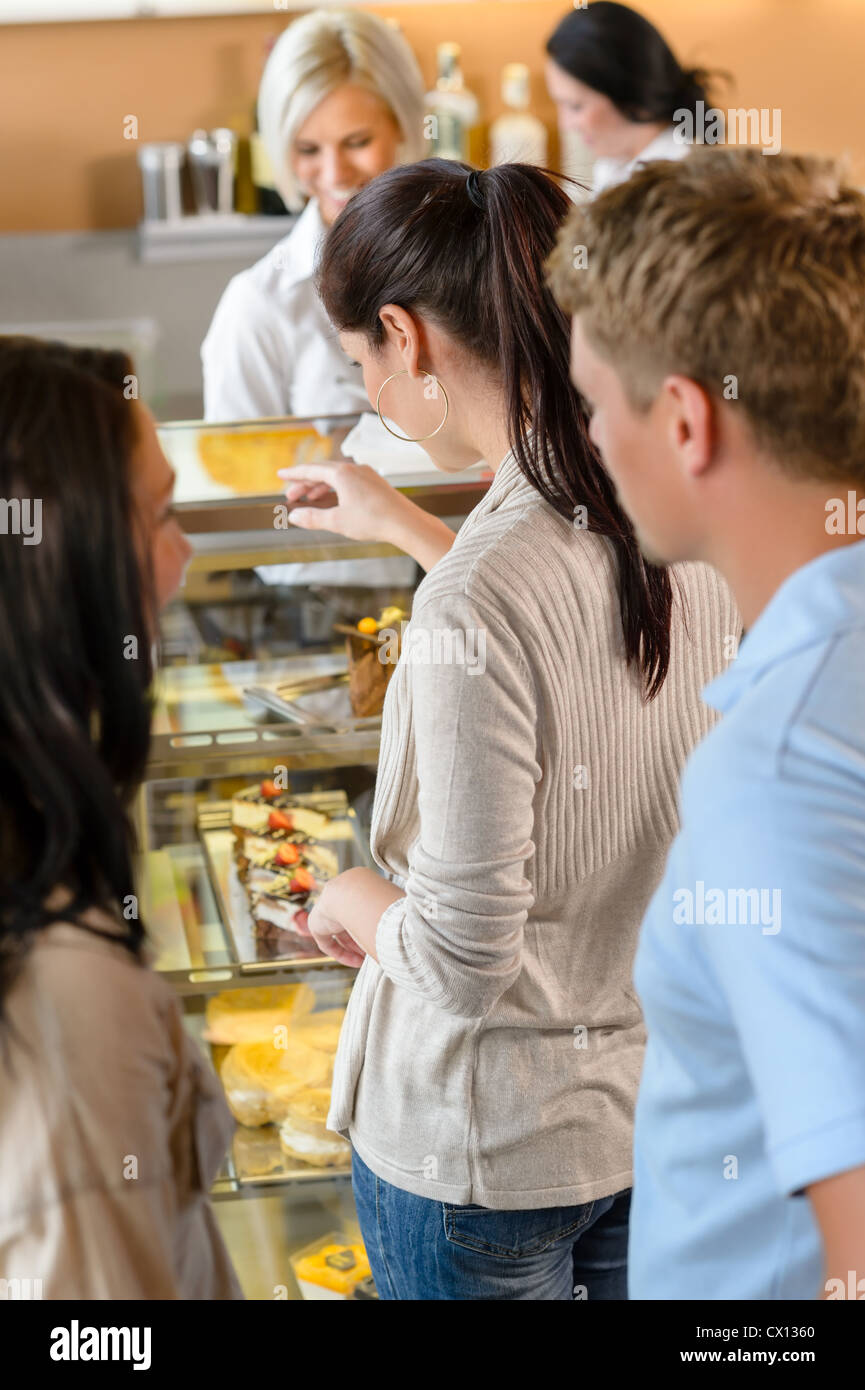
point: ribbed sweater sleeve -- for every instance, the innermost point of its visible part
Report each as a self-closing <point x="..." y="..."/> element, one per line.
<point x="456" y="938"/>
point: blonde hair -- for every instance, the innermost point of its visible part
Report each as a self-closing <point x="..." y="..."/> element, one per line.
<point x="317" y="54"/>
<point x="733" y="266"/>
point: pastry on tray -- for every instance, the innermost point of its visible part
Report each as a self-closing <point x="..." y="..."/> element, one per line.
<point x="264" y="858"/>
<point x="303" y="1133"/>
<point x="256" y="1152"/>
<point x="320" y="1030"/>
<point x="265" y="808"/>
<point x="280" y="883"/>
<point x="282" y="906"/>
<point x="260" y="1078"/>
<point x="285" y="850"/>
<point x="332" y="1268"/>
<point x="247" y="460"/>
<point x="251" y="1015"/>
<point x="372" y="648"/>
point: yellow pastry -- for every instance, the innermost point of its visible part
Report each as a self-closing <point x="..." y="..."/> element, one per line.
<point x="335" y="1267"/>
<point x="256" y="1151"/>
<point x="260" y="1079"/>
<point x="391" y="617"/>
<point x="370" y="665"/>
<point x="264" y="809"/>
<point x="253" y="1015"/>
<point x="320" y="1030"/>
<point x="247" y="460"/>
<point x="304" y="1135"/>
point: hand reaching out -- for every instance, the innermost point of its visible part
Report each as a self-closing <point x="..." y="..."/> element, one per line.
<point x="351" y="499"/>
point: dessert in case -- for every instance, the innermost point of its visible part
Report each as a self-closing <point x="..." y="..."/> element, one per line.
<point x="260" y="1078"/>
<point x="254" y="807"/>
<point x="330" y="1268"/>
<point x="283" y="859"/>
<point x="287" y="849"/>
<point x="368" y="673"/>
<point x="247" y="460"/>
<point x="256" y="1152"/>
<point x="304" y="1135"/>
<point x="251" y="1015"/>
<point x="281" y="1051"/>
<point x="320" y="1030"/>
<point x="280" y="1077"/>
<point x="279" y="894"/>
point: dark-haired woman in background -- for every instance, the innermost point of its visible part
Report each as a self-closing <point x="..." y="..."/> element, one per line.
<point x="111" y="1129"/>
<point x="617" y="83"/>
<point x="533" y="735"/>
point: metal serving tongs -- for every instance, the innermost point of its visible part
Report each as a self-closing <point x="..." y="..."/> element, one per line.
<point x="282" y="701"/>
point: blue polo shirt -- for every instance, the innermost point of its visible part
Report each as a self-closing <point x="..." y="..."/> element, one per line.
<point x="751" y="963"/>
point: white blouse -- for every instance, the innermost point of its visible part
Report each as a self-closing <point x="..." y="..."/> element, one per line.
<point x="271" y="349"/>
<point x="667" y="145"/>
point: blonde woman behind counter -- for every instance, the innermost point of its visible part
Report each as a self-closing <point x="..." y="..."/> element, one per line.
<point x="341" y="100"/>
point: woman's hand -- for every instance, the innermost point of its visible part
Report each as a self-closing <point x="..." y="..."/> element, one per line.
<point x="349" y="498"/>
<point x="345" y="918"/>
<point x="330" y="936"/>
<point x="352" y="500"/>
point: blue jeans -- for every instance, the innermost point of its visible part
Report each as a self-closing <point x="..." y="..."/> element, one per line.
<point x="422" y="1249"/>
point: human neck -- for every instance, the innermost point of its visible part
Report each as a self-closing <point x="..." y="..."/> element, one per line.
<point x="643" y="137"/>
<point x="481" y="418"/>
<point x="495" y="446"/>
<point x="773" y="531"/>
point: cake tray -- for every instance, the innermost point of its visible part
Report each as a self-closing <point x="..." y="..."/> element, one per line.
<point x="255" y="956"/>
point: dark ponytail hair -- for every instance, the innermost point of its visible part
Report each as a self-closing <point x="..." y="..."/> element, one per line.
<point x="414" y="237"/>
<point x="74" y="711"/>
<point x="617" y="52"/>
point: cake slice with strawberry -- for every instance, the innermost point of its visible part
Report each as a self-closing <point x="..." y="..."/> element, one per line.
<point x="267" y="807"/>
<point x="283" y="858"/>
<point x="279" y="896"/>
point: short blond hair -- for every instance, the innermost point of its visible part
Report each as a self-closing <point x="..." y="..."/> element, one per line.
<point x="317" y="54"/>
<point x="733" y="267"/>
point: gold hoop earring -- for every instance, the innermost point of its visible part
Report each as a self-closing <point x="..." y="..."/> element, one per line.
<point x="406" y="439"/>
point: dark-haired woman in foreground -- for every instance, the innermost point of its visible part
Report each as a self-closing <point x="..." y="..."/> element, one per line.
<point x="617" y="83"/>
<point x="534" y="731"/>
<point x="111" y="1129"/>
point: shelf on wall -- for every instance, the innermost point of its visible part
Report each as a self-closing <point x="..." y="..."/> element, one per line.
<point x="213" y="236"/>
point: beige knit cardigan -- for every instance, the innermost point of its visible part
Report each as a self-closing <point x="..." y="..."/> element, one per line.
<point x="526" y="799"/>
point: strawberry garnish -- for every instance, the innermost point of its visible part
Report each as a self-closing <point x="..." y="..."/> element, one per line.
<point x="269" y="789"/>
<point x="302" y="882"/>
<point x="287" y="854"/>
<point x="278" y="820"/>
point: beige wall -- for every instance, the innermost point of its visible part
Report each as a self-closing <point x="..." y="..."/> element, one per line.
<point x="67" y="87"/>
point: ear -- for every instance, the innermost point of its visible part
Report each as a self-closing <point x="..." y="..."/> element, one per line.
<point x="691" y="423"/>
<point x="403" y="336"/>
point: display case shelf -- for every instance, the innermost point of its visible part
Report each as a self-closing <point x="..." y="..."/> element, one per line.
<point x="188" y="925"/>
<point x="237" y="753"/>
<point x="231" y="643"/>
<point x="205" y="725"/>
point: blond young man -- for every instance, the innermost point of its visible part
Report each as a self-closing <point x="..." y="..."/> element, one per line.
<point x="719" y="339"/>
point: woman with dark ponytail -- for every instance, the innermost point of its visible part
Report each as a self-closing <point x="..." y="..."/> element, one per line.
<point x="534" y="729"/>
<point x="618" y="84"/>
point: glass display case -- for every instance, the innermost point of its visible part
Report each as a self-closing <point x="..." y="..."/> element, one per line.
<point x="254" y="695"/>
